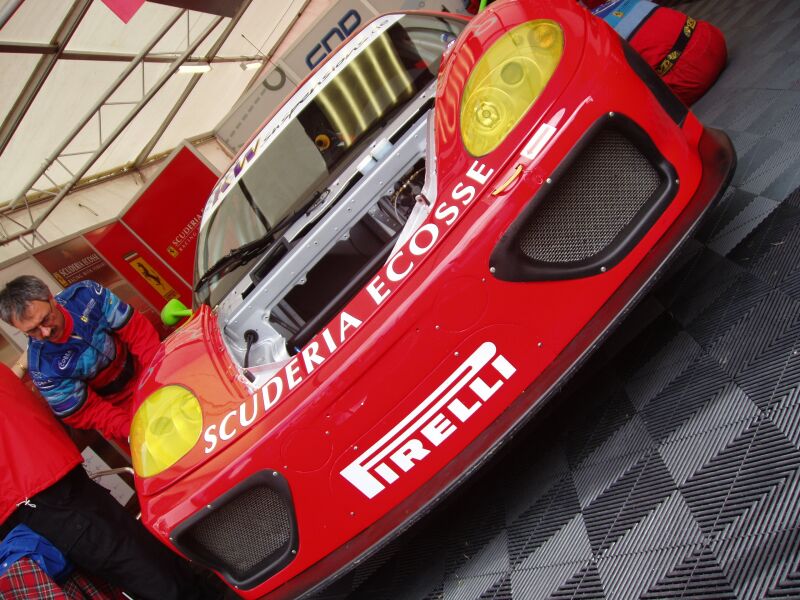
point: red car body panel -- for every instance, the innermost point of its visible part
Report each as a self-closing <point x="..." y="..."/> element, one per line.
<point x="436" y="360"/>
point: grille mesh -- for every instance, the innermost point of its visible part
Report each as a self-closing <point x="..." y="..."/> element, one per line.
<point x="246" y="531"/>
<point x="590" y="205"/>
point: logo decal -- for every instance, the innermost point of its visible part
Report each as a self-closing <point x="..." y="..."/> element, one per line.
<point x="64" y="361"/>
<point x="87" y="310"/>
<point x="434" y="420"/>
<point x="284" y="381"/>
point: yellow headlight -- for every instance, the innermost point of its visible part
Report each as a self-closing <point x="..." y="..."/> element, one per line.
<point x="165" y="427"/>
<point x="506" y="82"/>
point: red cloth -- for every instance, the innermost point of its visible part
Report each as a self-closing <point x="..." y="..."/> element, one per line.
<point x="111" y="415"/>
<point x="25" y="580"/>
<point x="35" y="451"/>
<point x="701" y="62"/>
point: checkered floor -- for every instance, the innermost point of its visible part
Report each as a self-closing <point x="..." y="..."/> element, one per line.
<point x="671" y="468"/>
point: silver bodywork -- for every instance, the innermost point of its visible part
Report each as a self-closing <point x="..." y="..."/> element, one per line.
<point x="344" y="227"/>
<point x="377" y="171"/>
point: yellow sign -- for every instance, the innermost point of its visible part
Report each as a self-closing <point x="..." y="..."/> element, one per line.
<point x="151" y="276"/>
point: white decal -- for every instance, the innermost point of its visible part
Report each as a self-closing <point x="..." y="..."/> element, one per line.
<point x="284" y="381"/>
<point x="64" y="361"/>
<point x="87" y="310"/>
<point x="538" y="141"/>
<point x="424" y="239"/>
<point x="432" y="422"/>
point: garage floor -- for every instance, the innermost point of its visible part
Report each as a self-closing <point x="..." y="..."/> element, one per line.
<point x="671" y="468"/>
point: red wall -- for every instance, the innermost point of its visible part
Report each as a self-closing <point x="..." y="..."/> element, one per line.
<point x="166" y="216"/>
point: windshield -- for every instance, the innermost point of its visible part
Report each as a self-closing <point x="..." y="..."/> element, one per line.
<point x="299" y="151"/>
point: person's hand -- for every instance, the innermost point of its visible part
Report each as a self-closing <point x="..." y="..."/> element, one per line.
<point x="21" y="365"/>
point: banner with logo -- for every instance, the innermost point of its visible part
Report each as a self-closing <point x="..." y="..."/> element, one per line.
<point x="166" y="215"/>
<point x="76" y="260"/>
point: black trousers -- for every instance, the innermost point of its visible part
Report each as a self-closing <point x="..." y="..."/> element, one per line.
<point x="95" y="532"/>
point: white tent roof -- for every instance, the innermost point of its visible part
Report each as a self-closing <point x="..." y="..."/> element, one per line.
<point x="51" y="88"/>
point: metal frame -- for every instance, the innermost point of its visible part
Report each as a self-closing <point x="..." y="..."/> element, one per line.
<point x="55" y="51"/>
<point x="49" y="49"/>
<point x="42" y="70"/>
<point x="211" y="56"/>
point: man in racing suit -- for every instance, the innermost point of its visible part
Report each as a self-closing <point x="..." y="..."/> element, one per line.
<point x="86" y="351"/>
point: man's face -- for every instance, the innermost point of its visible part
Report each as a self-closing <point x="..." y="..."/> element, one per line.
<point x="41" y="320"/>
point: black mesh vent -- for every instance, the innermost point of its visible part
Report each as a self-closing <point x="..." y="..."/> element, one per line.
<point x="600" y="194"/>
<point x="246" y="533"/>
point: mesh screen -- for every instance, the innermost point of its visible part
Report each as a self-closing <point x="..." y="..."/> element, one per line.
<point x="245" y="531"/>
<point x="595" y="199"/>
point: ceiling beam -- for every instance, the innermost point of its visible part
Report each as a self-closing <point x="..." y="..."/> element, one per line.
<point x="31" y="48"/>
<point x="41" y="71"/>
<point x="8" y="11"/>
<point x="65" y="189"/>
<point x="165" y="58"/>
<point x="27" y="48"/>
<point x="211" y="57"/>
<point x="93" y="112"/>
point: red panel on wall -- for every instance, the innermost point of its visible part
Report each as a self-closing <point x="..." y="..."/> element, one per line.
<point x="143" y="269"/>
<point x="167" y="214"/>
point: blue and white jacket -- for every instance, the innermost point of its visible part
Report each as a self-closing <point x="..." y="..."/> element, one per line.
<point x="63" y="372"/>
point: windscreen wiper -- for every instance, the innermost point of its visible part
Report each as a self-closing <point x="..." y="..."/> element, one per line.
<point x="235" y="258"/>
<point x="242" y="254"/>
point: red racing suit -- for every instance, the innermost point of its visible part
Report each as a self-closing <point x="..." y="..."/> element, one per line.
<point x="35" y="451"/>
<point x="89" y="375"/>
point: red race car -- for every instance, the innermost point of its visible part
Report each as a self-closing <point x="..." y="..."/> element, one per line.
<point x="398" y="270"/>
